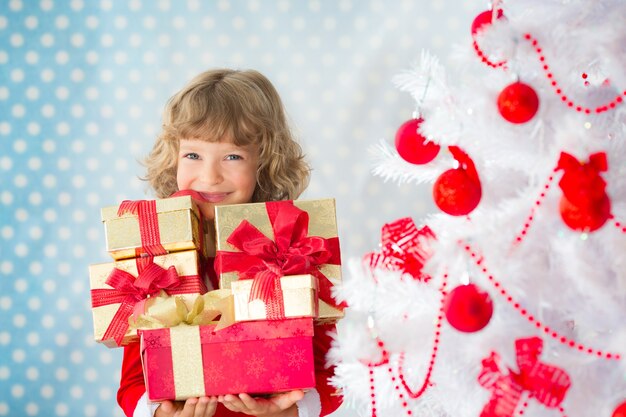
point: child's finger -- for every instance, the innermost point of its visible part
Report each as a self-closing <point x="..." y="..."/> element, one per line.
<point x="248" y="401"/>
<point x="287" y="399"/>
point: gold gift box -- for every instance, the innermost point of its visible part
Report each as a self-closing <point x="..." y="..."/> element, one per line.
<point x="180" y="229"/>
<point x="299" y="298"/>
<point x="187" y="263"/>
<point x="322" y="223"/>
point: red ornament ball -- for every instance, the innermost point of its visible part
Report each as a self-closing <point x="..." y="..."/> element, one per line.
<point x="412" y="146"/>
<point x="518" y="103"/>
<point x="468" y="308"/>
<point x="455" y="192"/>
<point x="484" y="19"/>
<point x="620" y="411"/>
<point x="585" y="219"/>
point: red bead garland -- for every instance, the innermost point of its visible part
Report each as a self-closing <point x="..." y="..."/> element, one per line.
<point x="564" y="98"/>
<point x="618" y="224"/>
<point x="538" y="203"/>
<point x="484" y="58"/>
<point x="433" y="354"/>
<point x="547" y="330"/>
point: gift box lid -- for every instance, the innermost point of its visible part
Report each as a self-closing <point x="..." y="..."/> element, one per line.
<point x="162" y="206"/>
<point x="238" y="332"/>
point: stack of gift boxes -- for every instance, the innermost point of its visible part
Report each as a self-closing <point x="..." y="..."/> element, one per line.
<point x="276" y="263"/>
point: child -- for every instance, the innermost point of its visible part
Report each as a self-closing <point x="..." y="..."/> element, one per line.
<point x="225" y="135"/>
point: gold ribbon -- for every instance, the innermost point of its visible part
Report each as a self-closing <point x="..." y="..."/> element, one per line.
<point x="166" y="311"/>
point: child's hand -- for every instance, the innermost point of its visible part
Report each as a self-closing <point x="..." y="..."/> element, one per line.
<point x="280" y="405"/>
<point x="193" y="407"/>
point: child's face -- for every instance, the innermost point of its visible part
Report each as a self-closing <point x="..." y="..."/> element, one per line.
<point x="222" y="172"/>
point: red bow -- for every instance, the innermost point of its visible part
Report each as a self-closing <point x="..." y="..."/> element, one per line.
<point x="547" y="384"/>
<point x="146" y="213"/>
<point x="132" y="292"/>
<point x="292" y="252"/>
<point x="581" y="183"/>
<point x="402" y="249"/>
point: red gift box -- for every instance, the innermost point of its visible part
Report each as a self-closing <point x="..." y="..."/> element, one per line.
<point x="259" y="357"/>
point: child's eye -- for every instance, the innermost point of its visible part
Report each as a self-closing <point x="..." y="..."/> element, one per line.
<point x="233" y="157"/>
<point x="192" y="155"/>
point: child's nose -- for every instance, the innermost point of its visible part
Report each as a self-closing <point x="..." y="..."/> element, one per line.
<point x="213" y="174"/>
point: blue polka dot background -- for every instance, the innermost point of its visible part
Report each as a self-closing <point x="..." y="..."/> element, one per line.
<point x="82" y="87"/>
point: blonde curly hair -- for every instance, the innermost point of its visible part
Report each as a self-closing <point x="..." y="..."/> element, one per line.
<point x="244" y="106"/>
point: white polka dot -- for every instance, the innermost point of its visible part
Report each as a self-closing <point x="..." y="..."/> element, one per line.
<point x="64" y="233"/>
<point x="6" y="303"/>
<point x="32" y="339"/>
<point x="92" y="93"/>
<point x="34" y="163"/>
<point x="92" y="22"/>
<point x="15" y="5"/>
<point x="61" y="409"/>
<point x="21" y="285"/>
<point x="33" y="128"/>
<point x="19" y="320"/>
<point x="7" y="232"/>
<point x="64" y="198"/>
<point x="35" y="268"/>
<point x="16" y="40"/>
<point x="77" y="75"/>
<point x="21" y="215"/>
<point x="4" y="409"/>
<point x="32" y="409"/>
<point x="6" y="197"/>
<point x="92" y="129"/>
<point x="32" y="57"/>
<point x="62" y="93"/>
<point x="6" y="163"/>
<point x="5" y="128"/>
<point x="17" y="75"/>
<point x="47" y="321"/>
<point x="50" y="215"/>
<point x="4" y="93"/>
<point x="63" y="128"/>
<point x="47" y="40"/>
<point x="78" y="181"/>
<point x="4" y="57"/>
<point x="18" y="110"/>
<point x="6" y="267"/>
<point x="91" y="374"/>
<point x="49" y="181"/>
<point x="93" y="234"/>
<point x="34" y="303"/>
<point x="61" y="339"/>
<point x="63" y="164"/>
<point x="78" y="216"/>
<point x="76" y="392"/>
<point x="106" y="40"/>
<point x="47" y="110"/>
<point x="32" y="373"/>
<point x="34" y="198"/>
<point x="32" y="93"/>
<point x="5" y="372"/>
<point x="50" y="250"/>
<point x="104" y="393"/>
<point x="92" y="57"/>
<point x="76" y="322"/>
<point x="47" y="356"/>
<point x="47" y="391"/>
<point x="17" y="391"/>
<point x="20" y="181"/>
<point x="21" y="250"/>
<point x="35" y="233"/>
<point x="135" y="40"/>
<point x="76" y="357"/>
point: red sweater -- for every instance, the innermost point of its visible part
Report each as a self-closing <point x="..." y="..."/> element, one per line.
<point x="132" y="385"/>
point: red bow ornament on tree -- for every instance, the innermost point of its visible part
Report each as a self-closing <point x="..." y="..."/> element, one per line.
<point x="585" y="206"/>
<point x="292" y="252"/>
<point x="133" y="292"/>
<point x="402" y="248"/>
<point x="547" y="384"/>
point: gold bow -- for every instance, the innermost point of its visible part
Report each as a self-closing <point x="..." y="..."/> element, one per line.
<point x="166" y="311"/>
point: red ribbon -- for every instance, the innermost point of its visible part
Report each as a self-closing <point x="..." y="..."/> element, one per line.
<point x="465" y="162"/>
<point x="132" y="292"/>
<point x="292" y="252"/>
<point x="581" y="183"/>
<point x="402" y="249"/>
<point x="146" y="213"/>
<point x="547" y="384"/>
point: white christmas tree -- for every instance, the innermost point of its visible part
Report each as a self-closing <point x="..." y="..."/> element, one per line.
<point x="512" y="300"/>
